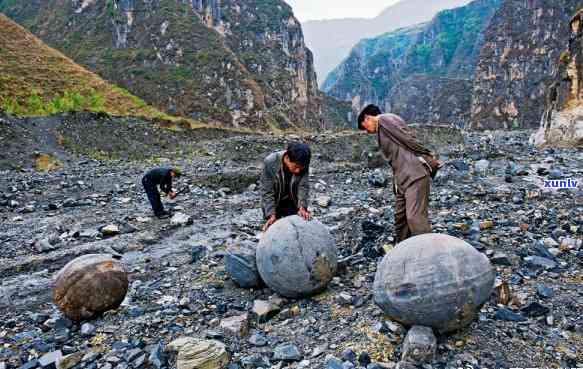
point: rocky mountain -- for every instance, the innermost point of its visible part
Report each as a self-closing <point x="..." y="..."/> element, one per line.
<point x="398" y="69"/>
<point x="562" y="121"/>
<point x="38" y="80"/>
<point x="521" y="51"/>
<point x="332" y="40"/>
<point x="238" y="63"/>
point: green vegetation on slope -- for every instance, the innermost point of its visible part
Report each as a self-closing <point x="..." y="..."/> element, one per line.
<point x="38" y="80"/>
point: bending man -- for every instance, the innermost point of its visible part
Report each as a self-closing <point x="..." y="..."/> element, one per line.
<point x="413" y="166"/>
<point x="160" y="177"/>
<point x="285" y="183"/>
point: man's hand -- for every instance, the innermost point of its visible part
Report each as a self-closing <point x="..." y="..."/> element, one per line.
<point x="305" y="214"/>
<point x="172" y="195"/>
<point x="269" y="222"/>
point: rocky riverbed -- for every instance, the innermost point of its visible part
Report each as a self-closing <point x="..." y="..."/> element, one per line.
<point x="491" y="194"/>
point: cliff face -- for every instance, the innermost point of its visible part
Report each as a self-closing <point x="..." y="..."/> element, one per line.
<point x="562" y="121"/>
<point x="422" y="73"/>
<point x="519" y="58"/>
<point x="240" y="63"/>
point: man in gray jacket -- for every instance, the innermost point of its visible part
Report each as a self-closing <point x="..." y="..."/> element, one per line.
<point x="285" y="183"/>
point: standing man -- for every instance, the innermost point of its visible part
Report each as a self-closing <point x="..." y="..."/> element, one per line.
<point x="160" y="177"/>
<point x="413" y="166"/>
<point x="285" y="183"/>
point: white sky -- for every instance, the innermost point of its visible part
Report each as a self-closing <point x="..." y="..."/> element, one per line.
<point x="306" y="10"/>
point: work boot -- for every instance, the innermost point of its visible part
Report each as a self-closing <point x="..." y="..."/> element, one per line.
<point x="163" y="215"/>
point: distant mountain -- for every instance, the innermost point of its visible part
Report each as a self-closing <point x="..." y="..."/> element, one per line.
<point x="238" y="63"/>
<point x="332" y="40"/>
<point x="39" y="80"/>
<point x="423" y="73"/>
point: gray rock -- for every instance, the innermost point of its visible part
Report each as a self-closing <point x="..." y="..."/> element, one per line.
<point x="420" y="345"/>
<point x="333" y="363"/>
<point x="50" y="359"/>
<point x="296" y="258"/>
<point x="287" y="352"/>
<point x="237" y="326"/>
<point x="258" y="339"/>
<point x="508" y="315"/>
<point x="87" y="329"/>
<point x="540" y="262"/>
<point x="196" y="353"/>
<point x="110" y="230"/>
<point x="443" y="284"/>
<point x="544" y="291"/>
<point x="378" y="179"/>
<point x="180" y="219"/>
<point x="241" y="265"/>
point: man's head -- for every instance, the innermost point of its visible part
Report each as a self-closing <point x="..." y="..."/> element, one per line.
<point x="367" y="119"/>
<point x="297" y="157"/>
<point x="175" y="172"/>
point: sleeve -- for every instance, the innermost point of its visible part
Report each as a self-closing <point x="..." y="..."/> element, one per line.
<point x="267" y="196"/>
<point x="304" y="190"/>
<point x="166" y="184"/>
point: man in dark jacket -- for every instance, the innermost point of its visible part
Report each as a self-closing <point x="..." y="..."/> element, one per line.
<point x="160" y="177"/>
<point x="413" y="166"/>
<point x="285" y="183"/>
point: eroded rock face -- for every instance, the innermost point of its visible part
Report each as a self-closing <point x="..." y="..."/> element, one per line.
<point x="297" y="258"/>
<point x="241" y="63"/>
<point x="422" y="73"/>
<point x="434" y="280"/>
<point x="562" y="121"/>
<point x="89" y="285"/>
<point x="518" y="61"/>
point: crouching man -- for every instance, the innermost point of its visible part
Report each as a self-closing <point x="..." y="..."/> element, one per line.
<point x="413" y="167"/>
<point x="160" y="177"/>
<point x="285" y="183"/>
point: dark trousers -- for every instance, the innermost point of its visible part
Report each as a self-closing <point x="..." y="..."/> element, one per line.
<point x="153" y="196"/>
<point x="412" y="209"/>
<point x="285" y="208"/>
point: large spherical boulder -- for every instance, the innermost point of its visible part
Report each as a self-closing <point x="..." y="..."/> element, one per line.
<point x="433" y="280"/>
<point x="89" y="285"/>
<point x="297" y="258"/>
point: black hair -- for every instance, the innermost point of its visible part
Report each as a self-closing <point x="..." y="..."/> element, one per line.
<point x="299" y="153"/>
<point x="372" y="110"/>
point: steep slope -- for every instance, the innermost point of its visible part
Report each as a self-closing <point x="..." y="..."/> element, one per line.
<point x="240" y="63"/>
<point x="332" y="40"/>
<point x="562" y="121"/>
<point x="36" y="80"/>
<point x="518" y="60"/>
<point x="422" y="73"/>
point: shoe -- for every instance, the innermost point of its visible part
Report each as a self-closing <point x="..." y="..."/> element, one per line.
<point x="163" y="215"/>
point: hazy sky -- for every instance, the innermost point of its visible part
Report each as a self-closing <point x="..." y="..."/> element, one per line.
<point x="306" y="10"/>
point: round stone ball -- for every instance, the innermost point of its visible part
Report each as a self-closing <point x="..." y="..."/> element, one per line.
<point x="90" y="285"/>
<point x="297" y="258"/>
<point x="433" y="280"/>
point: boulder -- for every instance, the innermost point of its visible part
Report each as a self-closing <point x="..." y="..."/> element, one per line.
<point x="241" y="265"/>
<point x="195" y="353"/>
<point x="90" y="285"/>
<point x="434" y="280"/>
<point x="297" y="258"/>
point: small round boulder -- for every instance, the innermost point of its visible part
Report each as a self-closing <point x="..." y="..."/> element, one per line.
<point x="90" y="285"/>
<point x="297" y="258"/>
<point x="433" y="280"/>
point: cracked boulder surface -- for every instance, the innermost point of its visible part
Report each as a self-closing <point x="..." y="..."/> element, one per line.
<point x="296" y="257"/>
<point x="532" y="235"/>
